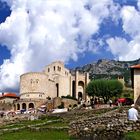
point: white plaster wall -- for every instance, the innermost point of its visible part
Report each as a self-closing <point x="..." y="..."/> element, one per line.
<point x="136" y="84"/>
<point x="51" y="89"/>
<point x="64" y="86"/>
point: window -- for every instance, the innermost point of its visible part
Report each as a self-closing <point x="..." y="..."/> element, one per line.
<point x="40" y="95"/>
<point x="48" y="69"/>
<point x="54" y="68"/>
<point x="31" y="81"/>
<point x="59" y="68"/>
<point x="37" y="80"/>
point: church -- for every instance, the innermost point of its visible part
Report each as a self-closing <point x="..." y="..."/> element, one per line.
<point x="54" y="81"/>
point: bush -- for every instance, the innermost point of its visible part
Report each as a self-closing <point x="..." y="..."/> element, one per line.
<point x="42" y="117"/>
<point x="69" y="97"/>
<point x="126" y="95"/>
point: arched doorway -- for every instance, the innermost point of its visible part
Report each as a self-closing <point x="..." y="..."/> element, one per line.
<point x="18" y="106"/>
<point x="57" y="90"/>
<point x="73" y="89"/>
<point x="80" y="90"/>
<point x="31" y="105"/>
<point x="24" y="106"/>
<point x="80" y="96"/>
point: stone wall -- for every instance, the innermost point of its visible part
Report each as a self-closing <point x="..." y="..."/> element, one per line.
<point x="57" y="101"/>
<point x="108" y="126"/>
<point x="33" y="85"/>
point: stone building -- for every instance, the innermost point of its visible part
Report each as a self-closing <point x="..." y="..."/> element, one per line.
<point x="135" y="74"/>
<point x="54" y="81"/>
<point x="8" y="98"/>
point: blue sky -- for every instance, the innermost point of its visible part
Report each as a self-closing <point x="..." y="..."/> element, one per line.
<point x="35" y="33"/>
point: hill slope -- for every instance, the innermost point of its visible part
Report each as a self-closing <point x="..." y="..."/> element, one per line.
<point x="108" y="69"/>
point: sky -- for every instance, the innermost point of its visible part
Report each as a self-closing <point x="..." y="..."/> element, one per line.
<point x="34" y="33"/>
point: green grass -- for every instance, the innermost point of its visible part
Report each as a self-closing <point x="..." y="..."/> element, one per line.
<point x="132" y="136"/>
<point x="58" y="124"/>
<point x="28" y="122"/>
<point x="27" y="135"/>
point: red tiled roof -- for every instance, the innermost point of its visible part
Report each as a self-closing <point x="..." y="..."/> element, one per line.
<point x="135" y="66"/>
<point x="9" y="95"/>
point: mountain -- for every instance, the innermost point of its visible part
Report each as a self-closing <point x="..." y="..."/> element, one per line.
<point x="108" y="69"/>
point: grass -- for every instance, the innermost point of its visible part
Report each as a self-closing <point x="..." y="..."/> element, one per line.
<point x="43" y="135"/>
<point x="28" y="122"/>
<point x="132" y="136"/>
<point x="27" y="134"/>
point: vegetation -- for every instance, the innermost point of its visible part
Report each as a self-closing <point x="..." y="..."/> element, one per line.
<point x="68" y="97"/>
<point x="39" y="134"/>
<point x="128" y="94"/>
<point x="104" y="88"/>
<point x="43" y="135"/>
<point x="132" y="136"/>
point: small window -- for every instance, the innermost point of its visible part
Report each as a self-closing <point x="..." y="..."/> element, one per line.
<point x="37" y="80"/>
<point x="59" y="68"/>
<point x="48" y="69"/>
<point x="31" y="81"/>
<point x="54" y="68"/>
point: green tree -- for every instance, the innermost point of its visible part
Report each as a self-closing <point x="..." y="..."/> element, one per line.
<point x="104" y="89"/>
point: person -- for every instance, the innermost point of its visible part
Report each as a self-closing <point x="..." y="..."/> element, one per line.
<point x="110" y="102"/>
<point x="92" y="102"/>
<point x="133" y="113"/>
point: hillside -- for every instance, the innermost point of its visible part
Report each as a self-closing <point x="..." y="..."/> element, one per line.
<point x="109" y="69"/>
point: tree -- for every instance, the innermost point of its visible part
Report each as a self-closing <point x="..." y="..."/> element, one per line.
<point x="104" y="88"/>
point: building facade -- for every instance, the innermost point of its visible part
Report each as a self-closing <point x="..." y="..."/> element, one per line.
<point x="54" y="81"/>
<point x="135" y="74"/>
<point x="8" y="98"/>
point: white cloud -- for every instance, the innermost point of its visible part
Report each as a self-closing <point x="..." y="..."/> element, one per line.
<point x="127" y="49"/>
<point x="124" y="50"/>
<point x="131" y="20"/>
<point x="118" y="46"/>
<point x="138" y="3"/>
<point x="40" y="31"/>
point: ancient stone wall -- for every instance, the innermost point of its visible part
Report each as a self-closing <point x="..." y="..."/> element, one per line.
<point x="110" y="126"/>
<point x="33" y="85"/>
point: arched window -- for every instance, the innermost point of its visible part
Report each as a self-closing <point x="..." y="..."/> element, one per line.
<point x="18" y="106"/>
<point x="73" y="89"/>
<point x="31" y="105"/>
<point x="57" y="89"/>
<point x="24" y="106"/>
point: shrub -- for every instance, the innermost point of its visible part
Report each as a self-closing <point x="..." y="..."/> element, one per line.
<point x="69" y="97"/>
<point x="42" y="117"/>
<point x="126" y="95"/>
